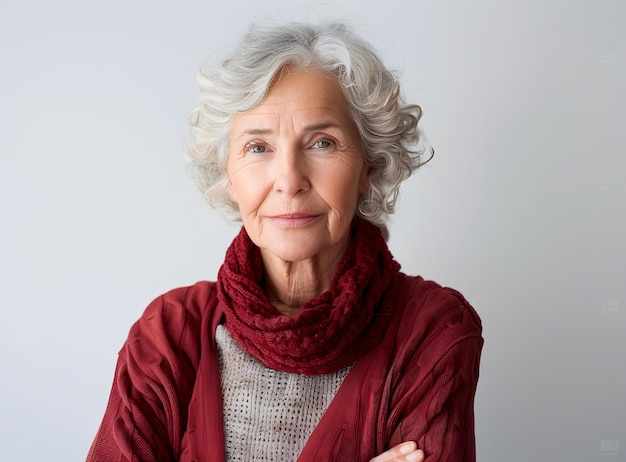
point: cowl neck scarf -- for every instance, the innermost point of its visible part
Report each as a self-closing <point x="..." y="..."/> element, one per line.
<point x="332" y="330"/>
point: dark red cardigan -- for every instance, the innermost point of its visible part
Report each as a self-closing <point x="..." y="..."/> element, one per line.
<point x="418" y="384"/>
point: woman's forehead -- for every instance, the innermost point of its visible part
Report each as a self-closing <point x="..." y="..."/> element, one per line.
<point x="309" y="97"/>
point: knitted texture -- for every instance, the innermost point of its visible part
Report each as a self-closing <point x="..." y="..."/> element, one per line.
<point x="268" y="414"/>
<point x="418" y="384"/>
<point x="332" y="330"/>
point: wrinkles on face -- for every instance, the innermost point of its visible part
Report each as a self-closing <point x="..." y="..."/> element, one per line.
<point x="296" y="170"/>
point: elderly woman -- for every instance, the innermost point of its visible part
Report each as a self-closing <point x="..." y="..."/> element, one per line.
<point x="312" y="345"/>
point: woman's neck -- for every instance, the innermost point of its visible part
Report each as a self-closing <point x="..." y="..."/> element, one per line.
<point x="289" y="285"/>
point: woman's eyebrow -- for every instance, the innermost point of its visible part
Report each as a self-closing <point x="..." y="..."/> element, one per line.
<point x="268" y="131"/>
<point x="322" y="126"/>
<point x="255" y="131"/>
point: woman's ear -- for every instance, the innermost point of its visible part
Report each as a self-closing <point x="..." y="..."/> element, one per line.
<point x="232" y="194"/>
<point x="364" y="179"/>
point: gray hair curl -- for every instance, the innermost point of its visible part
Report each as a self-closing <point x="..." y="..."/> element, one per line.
<point x="388" y="127"/>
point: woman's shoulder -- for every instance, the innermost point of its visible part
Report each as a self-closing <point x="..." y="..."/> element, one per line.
<point x="177" y="314"/>
<point x="191" y="300"/>
<point x="426" y="307"/>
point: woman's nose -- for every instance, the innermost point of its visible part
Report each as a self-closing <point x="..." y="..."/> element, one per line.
<point x="291" y="175"/>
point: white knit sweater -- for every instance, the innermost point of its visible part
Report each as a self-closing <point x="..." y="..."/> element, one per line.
<point x="268" y="414"/>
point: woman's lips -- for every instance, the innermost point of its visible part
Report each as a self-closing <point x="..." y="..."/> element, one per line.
<point x="294" y="220"/>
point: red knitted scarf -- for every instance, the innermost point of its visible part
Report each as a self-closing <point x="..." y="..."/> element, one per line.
<point x="332" y="330"/>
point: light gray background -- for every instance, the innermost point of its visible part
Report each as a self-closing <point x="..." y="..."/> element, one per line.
<point x="522" y="209"/>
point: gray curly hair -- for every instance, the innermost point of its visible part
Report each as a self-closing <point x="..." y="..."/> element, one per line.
<point x="388" y="127"/>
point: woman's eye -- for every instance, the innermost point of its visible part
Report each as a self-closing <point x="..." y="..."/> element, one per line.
<point x="322" y="144"/>
<point x="256" y="149"/>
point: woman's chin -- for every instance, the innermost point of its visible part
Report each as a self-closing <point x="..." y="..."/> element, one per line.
<point x="292" y="253"/>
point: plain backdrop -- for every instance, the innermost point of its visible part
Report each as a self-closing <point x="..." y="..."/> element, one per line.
<point x="523" y="208"/>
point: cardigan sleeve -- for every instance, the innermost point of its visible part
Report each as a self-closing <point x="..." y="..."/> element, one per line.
<point x="147" y="411"/>
<point x="444" y="407"/>
<point x="434" y="399"/>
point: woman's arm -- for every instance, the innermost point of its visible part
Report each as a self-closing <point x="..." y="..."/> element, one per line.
<point x="154" y="376"/>
<point x="438" y="412"/>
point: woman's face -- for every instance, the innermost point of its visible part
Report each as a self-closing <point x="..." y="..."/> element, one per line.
<point x="296" y="167"/>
